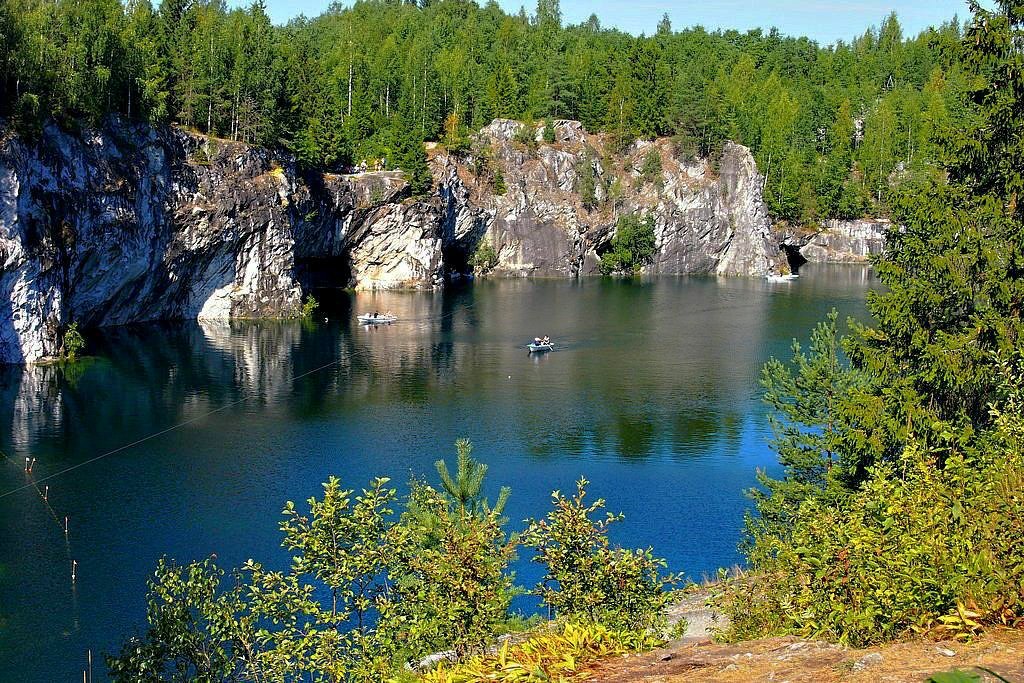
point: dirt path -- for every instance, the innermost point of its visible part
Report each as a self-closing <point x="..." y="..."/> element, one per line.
<point x="802" y="661"/>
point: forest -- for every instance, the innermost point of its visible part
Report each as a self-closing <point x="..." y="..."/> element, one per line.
<point x="835" y="129"/>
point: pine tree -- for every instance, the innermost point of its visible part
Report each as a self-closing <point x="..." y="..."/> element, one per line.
<point x="808" y="398"/>
<point x="465" y="487"/>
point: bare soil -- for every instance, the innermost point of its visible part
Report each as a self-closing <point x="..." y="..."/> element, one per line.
<point x="803" y="661"/>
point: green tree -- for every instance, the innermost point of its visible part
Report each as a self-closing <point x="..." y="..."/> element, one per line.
<point x="632" y="247"/>
<point x="809" y="400"/>
<point x="465" y="488"/>
<point x="587" y="579"/>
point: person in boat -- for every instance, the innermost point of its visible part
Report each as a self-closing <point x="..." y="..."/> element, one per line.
<point x="547" y="339"/>
<point x="536" y="341"/>
<point x="376" y="314"/>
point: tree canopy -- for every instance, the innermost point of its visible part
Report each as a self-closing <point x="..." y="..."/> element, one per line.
<point x="834" y="128"/>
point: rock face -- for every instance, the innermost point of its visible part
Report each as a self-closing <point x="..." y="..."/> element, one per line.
<point x="562" y="200"/>
<point x="135" y="223"/>
<point x="132" y="223"/>
<point x="846" y="241"/>
<point x="836" y="241"/>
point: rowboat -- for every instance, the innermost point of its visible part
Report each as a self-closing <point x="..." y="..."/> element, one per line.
<point x="540" y="348"/>
<point x="780" y="278"/>
<point x="371" y="319"/>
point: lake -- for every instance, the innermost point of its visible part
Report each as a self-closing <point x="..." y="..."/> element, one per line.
<point x="188" y="438"/>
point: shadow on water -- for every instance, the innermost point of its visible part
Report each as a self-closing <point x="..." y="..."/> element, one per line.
<point x="651" y="394"/>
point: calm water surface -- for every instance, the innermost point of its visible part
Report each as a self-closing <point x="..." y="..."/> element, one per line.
<point x="652" y="395"/>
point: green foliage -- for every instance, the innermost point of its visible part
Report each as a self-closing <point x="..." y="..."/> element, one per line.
<point x="631" y="248"/>
<point x="366" y="590"/>
<point x="650" y="171"/>
<point x="309" y="306"/>
<point x="498" y="183"/>
<point x="587" y="579"/>
<point x="962" y="676"/>
<point x="373" y="80"/>
<point x="485" y="258"/>
<point x="411" y="156"/>
<point x="465" y="488"/>
<point x="900" y="509"/>
<point x="917" y="547"/>
<point x="586" y="183"/>
<point x="73" y="343"/>
<point x="549" y="131"/>
<point x="192" y="628"/>
<point x="809" y="400"/>
<point x="545" y="656"/>
<point x="526" y="135"/>
<point x="453" y="589"/>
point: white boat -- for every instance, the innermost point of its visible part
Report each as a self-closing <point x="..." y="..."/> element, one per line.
<point x="540" y="348"/>
<point x="377" y="319"/>
<point x="780" y="278"/>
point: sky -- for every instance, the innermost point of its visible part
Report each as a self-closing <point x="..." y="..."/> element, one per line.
<point x="823" y="20"/>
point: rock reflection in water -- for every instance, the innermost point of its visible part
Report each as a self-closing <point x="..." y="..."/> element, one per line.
<point x="651" y="393"/>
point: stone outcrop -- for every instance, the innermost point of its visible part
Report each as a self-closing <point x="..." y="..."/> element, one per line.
<point x="132" y="223"/>
<point x="706" y="220"/>
<point x="846" y="241"/>
<point x="135" y="223"/>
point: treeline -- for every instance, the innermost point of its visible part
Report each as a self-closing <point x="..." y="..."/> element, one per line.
<point x="834" y="129"/>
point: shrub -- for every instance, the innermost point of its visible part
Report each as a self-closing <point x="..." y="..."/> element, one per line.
<point x="933" y="540"/>
<point x="452" y="588"/>
<point x="586" y="183"/>
<point x="73" y="342"/>
<point x="549" y="131"/>
<point x="28" y="117"/>
<point x="365" y="591"/>
<point x="527" y="135"/>
<point x="485" y="258"/>
<point x="650" y="171"/>
<point x="309" y="306"/>
<point x="498" y="182"/>
<point x="631" y="248"/>
<point x="551" y="656"/>
<point x="588" y="580"/>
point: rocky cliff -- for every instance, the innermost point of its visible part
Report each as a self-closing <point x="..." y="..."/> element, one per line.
<point x="561" y="201"/>
<point x="846" y="241"/>
<point x="133" y="223"/>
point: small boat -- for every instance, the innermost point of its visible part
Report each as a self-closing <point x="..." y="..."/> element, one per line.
<point x="780" y="278"/>
<point x="540" y="348"/>
<point x="377" y="319"/>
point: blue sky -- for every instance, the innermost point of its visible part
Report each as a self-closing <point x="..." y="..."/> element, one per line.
<point x="823" y="20"/>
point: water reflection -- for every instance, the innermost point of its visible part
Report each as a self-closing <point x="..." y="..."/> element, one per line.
<point x="651" y="393"/>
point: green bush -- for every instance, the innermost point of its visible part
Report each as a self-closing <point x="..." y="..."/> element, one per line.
<point x="452" y="590"/>
<point x="549" y="131"/>
<point x="527" y="135"/>
<point x="631" y="248"/>
<point x="586" y="183"/>
<point x="485" y="258"/>
<point x="74" y="342"/>
<point x="368" y="590"/>
<point x="498" y="182"/>
<point x="309" y="306"/>
<point x="587" y="580"/>
<point x="650" y="171"/>
<point x="931" y="541"/>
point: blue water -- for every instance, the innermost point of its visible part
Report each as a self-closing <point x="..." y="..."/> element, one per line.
<point x="651" y="394"/>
